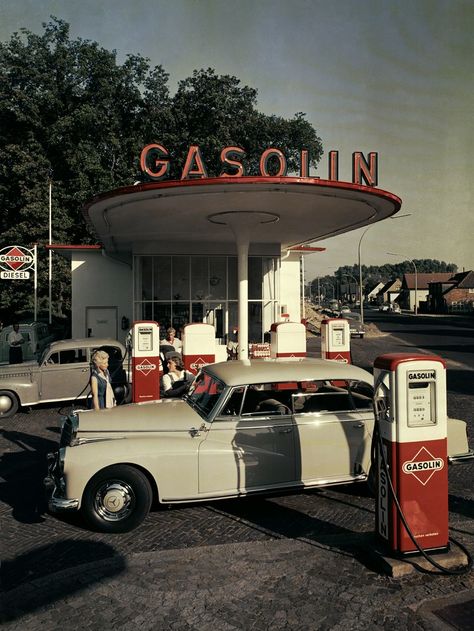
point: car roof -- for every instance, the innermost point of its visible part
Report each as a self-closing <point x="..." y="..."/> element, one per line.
<point x="85" y="342"/>
<point x="241" y="372"/>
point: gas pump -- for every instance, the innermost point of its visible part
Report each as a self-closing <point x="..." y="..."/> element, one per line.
<point x="336" y="340"/>
<point x="288" y="340"/>
<point x="145" y="361"/>
<point x="199" y="346"/>
<point x="411" y="418"/>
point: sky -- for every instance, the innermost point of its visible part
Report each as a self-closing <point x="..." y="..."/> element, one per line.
<point x="391" y="76"/>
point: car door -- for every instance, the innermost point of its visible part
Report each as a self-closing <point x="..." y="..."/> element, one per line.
<point x="333" y="431"/>
<point x="247" y="447"/>
<point x="65" y="375"/>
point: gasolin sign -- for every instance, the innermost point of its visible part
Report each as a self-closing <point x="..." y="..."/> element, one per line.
<point x="423" y="466"/>
<point x="146" y="367"/>
<point x="15" y="261"/>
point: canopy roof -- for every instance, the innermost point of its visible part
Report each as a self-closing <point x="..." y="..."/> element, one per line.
<point x="297" y="210"/>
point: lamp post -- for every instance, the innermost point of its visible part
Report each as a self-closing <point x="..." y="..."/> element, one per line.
<point x="360" y="278"/>
<point x="356" y="282"/>
<point x="416" y="277"/>
<point x="360" y="265"/>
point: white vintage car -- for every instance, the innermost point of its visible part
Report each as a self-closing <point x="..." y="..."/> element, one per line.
<point x="244" y="427"/>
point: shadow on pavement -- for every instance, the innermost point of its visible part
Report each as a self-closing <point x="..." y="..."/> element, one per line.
<point x="48" y="588"/>
<point x="283" y="522"/>
<point x="22" y="471"/>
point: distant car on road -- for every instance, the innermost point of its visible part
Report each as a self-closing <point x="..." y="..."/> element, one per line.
<point x="345" y="309"/>
<point x="61" y="374"/>
<point x="384" y="307"/>
<point x="356" y="327"/>
<point x="395" y="307"/>
<point x="244" y="427"/>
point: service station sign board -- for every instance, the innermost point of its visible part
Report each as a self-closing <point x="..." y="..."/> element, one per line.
<point x="15" y="261"/>
<point x="155" y="163"/>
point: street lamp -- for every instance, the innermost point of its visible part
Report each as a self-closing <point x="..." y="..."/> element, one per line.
<point x="348" y="275"/>
<point x="416" y="277"/>
<point x="360" y="265"/>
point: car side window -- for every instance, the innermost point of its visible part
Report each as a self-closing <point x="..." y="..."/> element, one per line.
<point x="266" y="400"/>
<point x="69" y="356"/>
<point x="233" y="405"/>
<point x="333" y="396"/>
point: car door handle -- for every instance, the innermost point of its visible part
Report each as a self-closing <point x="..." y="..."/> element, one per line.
<point x="361" y="424"/>
<point x="85" y="370"/>
<point x="287" y="430"/>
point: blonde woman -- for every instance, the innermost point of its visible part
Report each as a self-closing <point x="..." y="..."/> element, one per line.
<point x="101" y="388"/>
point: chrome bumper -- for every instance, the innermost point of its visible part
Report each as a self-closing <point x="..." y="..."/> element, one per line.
<point x="54" y="484"/>
<point x="461" y="458"/>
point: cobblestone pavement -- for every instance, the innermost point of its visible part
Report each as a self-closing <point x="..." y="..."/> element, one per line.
<point x="295" y="561"/>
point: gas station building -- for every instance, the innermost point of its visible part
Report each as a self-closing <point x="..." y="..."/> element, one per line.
<point x="221" y="250"/>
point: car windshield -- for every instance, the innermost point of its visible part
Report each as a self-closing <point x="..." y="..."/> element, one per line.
<point x="204" y="393"/>
<point x="43" y="355"/>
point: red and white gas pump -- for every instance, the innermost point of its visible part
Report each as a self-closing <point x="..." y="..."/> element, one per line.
<point x="288" y="340"/>
<point x="199" y="346"/>
<point x="410" y="403"/>
<point x="145" y="361"/>
<point x="336" y="340"/>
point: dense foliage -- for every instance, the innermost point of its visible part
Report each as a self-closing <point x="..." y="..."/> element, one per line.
<point x="69" y="111"/>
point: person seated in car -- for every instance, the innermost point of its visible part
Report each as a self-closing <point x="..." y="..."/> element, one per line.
<point x="177" y="380"/>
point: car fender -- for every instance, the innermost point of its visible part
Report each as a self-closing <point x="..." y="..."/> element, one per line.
<point x="170" y="459"/>
<point x="27" y="392"/>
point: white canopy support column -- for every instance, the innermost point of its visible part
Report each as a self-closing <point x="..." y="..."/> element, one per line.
<point x="244" y="225"/>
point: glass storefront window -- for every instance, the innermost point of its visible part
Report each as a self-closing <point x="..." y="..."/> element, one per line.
<point x="255" y="277"/>
<point x="177" y="290"/>
<point x="145" y="287"/>
<point x="181" y="280"/>
<point x="162" y="278"/>
<point x="217" y="277"/>
<point x="199" y="277"/>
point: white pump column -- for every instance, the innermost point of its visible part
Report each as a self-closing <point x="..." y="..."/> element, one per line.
<point x="244" y="225"/>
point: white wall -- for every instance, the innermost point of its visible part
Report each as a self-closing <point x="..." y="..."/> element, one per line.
<point x="99" y="281"/>
<point x="290" y="286"/>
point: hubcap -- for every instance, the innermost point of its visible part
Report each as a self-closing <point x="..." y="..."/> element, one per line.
<point x="5" y="404"/>
<point x="114" y="500"/>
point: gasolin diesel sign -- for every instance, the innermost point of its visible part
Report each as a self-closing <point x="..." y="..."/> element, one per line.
<point x="15" y="261"/>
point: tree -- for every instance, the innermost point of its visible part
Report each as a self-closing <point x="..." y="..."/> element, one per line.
<point x="67" y="107"/>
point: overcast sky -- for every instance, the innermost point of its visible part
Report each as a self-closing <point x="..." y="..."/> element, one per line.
<point x="392" y="76"/>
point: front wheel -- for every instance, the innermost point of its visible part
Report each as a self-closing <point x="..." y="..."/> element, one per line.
<point x="117" y="499"/>
<point x="8" y="404"/>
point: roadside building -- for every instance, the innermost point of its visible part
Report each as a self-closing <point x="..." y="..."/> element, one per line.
<point x="454" y="295"/>
<point x="371" y="293"/>
<point x="416" y="287"/>
<point x="389" y="292"/>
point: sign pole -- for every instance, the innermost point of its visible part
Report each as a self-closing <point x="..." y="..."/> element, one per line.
<point x="35" y="282"/>
<point x="50" y="267"/>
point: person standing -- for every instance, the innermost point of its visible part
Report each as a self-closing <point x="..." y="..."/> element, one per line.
<point x="101" y="387"/>
<point x="15" y="341"/>
<point x="172" y="340"/>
